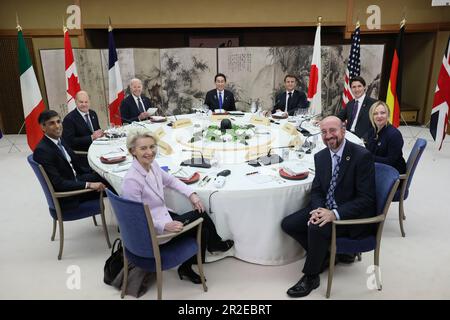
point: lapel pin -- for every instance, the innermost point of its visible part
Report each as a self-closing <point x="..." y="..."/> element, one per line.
<point x="347" y="158"/>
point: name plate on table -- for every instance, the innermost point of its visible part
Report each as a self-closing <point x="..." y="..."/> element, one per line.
<point x="295" y="141"/>
<point x="260" y="120"/>
<point x="219" y="117"/>
<point x="165" y="148"/>
<point x="160" y="133"/>
<point x="289" y="128"/>
<point x="182" y="123"/>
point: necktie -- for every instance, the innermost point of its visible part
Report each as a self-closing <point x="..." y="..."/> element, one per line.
<point x="220" y="100"/>
<point x="330" y="202"/>
<point x="140" y="106"/>
<point x="88" y="122"/>
<point x="63" y="151"/>
<point x="288" y="100"/>
<point x="354" y="112"/>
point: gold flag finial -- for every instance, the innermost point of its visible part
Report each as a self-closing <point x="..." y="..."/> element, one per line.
<point x="18" y="27"/>
<point x="319" y="20"/>
<point x="109" y="24"/>
<point x="358" y="24"/>
<point x="402" y="23"/>
<point x="64" y="24"/>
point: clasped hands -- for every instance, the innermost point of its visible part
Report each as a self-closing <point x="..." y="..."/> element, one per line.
<point x="321" y="216"/>
<point x="177" y="226"/>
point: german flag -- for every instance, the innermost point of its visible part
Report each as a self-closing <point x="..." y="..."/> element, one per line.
<point x="394" y="91"/>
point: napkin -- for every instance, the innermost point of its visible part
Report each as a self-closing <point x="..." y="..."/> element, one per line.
<point x="183" y="173"/>
<point x="114" y="154"/>
<point x="294" y="169"/>
<point x="122" y="167"/>
<point x="100" y="142"/>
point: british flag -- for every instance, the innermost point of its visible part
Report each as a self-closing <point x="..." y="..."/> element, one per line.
<point x="441" y="103"/>
<point x="353" y="67"/>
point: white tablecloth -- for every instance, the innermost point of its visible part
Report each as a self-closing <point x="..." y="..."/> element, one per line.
<point x="248" y="212"/>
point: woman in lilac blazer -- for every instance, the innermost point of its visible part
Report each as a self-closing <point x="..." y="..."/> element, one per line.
<point x="145" y="182"/>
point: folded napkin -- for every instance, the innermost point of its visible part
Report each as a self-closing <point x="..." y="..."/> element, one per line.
<point x="280" y="114"/>
<point x="122" y="167"/>
<point x="114" y="154"/>
<point x="183" y="173"/>
<point x="294" y="169"/>
<point x="100" y="142"/>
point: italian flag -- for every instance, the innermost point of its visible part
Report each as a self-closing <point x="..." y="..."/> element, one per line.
<point x="32" y="101"/>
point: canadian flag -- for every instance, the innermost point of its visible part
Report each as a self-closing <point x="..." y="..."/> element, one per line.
<point x="72" y="83"/>
<point x="315" y="77"/>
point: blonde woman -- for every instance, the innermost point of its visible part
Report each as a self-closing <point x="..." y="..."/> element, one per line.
<point x="145" y="182"/>
<point x="384" y="140"/>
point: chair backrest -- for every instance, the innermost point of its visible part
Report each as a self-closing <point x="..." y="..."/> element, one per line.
<point x="386" y="184"/>
<point x="413" y="159"/>
<point x="135" y="228"/>
<point x="43" y="180"/>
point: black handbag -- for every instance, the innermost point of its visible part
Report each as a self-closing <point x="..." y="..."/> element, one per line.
<point x="114" y="264"/>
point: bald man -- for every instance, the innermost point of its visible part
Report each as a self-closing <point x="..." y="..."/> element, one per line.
<point x="343" y="188"/>
<point x="81" y="125"/>
<point x="135" y="106"/>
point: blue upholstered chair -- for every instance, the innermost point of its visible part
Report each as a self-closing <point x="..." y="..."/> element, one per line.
<point x="386" y="183"/>
<point x="405" y="179"/>
<point x="141" y="242"/>
<point x="85" y="209"/>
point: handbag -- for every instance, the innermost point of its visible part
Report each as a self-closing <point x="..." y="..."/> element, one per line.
<point x="114" y="263"/>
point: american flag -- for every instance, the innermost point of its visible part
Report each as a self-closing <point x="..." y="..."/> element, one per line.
<point x="353" y="67"/>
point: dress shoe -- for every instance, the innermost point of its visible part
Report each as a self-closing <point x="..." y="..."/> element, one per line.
<point x="304" y="286"/>
<point x="189" y="274"/>
<point x="222" y="246"/>
<point x="346" y="258"/>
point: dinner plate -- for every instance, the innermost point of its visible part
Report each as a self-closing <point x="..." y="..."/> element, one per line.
<point x="193" y="179"/>
<point x="113" y="160"/>
<point x="300" y="176"/>
<point x="158" y="119"/>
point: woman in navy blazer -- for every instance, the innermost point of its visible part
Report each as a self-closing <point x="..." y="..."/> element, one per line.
<point x="145" y="182"/>
<point x="384" y="140"/>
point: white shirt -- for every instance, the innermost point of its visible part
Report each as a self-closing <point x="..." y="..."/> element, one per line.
<point x="137" y="103"/>
<point x="360" y="102"/>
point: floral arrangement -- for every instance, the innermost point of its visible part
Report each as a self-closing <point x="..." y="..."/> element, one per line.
<point x="236" y="133"/>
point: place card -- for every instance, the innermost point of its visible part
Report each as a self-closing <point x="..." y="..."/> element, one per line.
<point x="160" y="133"/>
<point x="290" y="129"/>
<point x="182" y="123"/>
<point x="165" y="148"/>
<point x="260" y="120"/>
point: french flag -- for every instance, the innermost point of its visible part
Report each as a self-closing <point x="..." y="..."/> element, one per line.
<point x="116" y="93"/>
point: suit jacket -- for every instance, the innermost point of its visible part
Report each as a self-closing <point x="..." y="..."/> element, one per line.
<point x="355" y="187"/>
<point x="76" y="132"/>
<point x="59" y="170"/>
<point x="212" y="100"/>
<point x="129" y="109"/>
<point x="298" y="100"/>
<point x="148" y="188"/>
<point x="363" y="124"/>
<point x="387" y="147"/>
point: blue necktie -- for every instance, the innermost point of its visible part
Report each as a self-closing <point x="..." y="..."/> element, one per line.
<point x="354" y="112"/>
<point x="330" y="202"/>
<point x="220" y="100"/>
<point x="88" y="122"/>
<point x="140" y="106"/>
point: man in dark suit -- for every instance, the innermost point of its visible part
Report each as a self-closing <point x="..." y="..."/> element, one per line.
<point x="81" y="125"/>
<point x="135" y="106"/>
<point x="290" y="100"/>
<point x="343" y="188"/>
<point x="220" y="98"/>
<point x="62" y="165"/>
<point x="356" y="113"/>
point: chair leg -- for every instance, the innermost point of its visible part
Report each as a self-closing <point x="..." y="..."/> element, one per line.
<point x="125" y="276"/>
<point x="95" y="221"/>
<point x="376" y="262"/>
<point x="159" y="283"/>
<point x="330" y="272"/>
<point x="54" y="230"/>
<point x="200" y="269"/>
<point x="105" y="227"/>
<point x="61" y="239"/>
<point x="359" y="256"/>
<point x="401" y="217"/>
